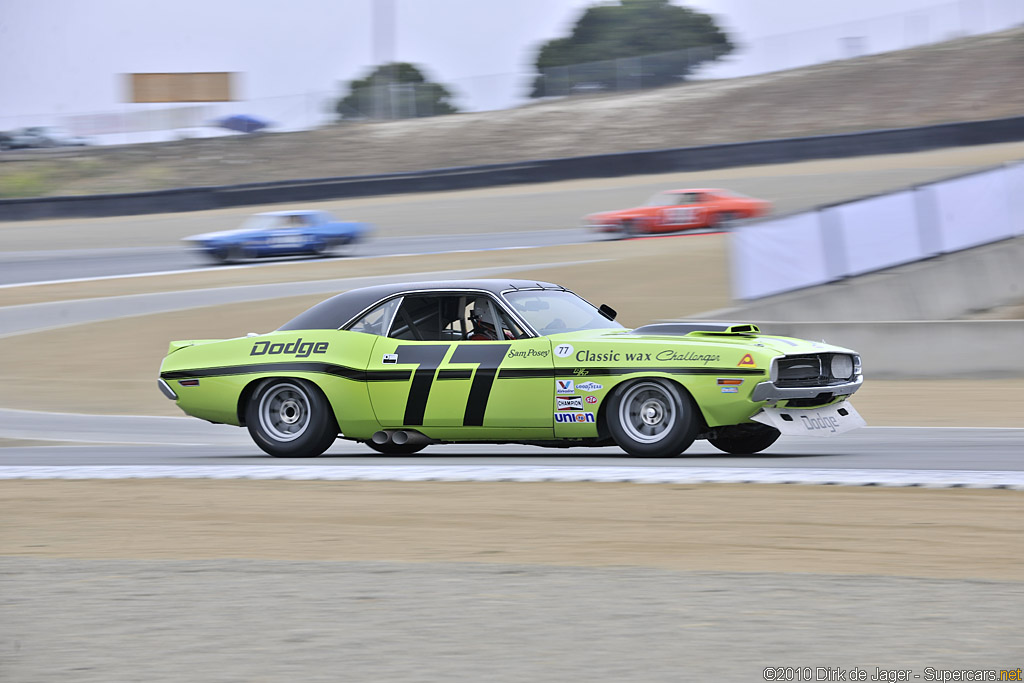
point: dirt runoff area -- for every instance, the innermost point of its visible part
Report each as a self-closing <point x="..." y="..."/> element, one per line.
<point x="938" y="533"/>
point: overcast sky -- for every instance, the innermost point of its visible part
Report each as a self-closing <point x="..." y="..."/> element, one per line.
<point x="65" y="56"/>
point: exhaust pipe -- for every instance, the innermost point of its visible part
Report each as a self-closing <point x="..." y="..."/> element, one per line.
<point x="400" y="437"/>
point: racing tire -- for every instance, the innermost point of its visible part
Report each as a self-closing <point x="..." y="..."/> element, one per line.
<point x="236" y="254"/>
<point x="652" y="418"/>
<point x="395" y="449"/>
<point x="745" y="439"/>
<point x="290" y="418"/>
<point x="726" y="221"/>
<point x="630" y="229"/>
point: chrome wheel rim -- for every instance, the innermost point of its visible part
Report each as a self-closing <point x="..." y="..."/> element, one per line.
<point x="647" y="412"/>
<point x="284" y="412"/>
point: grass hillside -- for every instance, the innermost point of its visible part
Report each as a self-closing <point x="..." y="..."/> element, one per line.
<point x="967" y="79"/>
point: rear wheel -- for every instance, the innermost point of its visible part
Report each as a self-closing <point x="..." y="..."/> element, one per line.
<point x="652" y="418"/>
<point x="291" y="418"/>
<point x="745" y="439"/>
<point x="726" y="220"/>
<point x="630" y="229"/>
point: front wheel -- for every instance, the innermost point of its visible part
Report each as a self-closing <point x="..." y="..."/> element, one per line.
<point x="290" y="418"/>
<point x="652" y="418"/>
<point x="233" y="254"/>
<point x="745" y="439"/>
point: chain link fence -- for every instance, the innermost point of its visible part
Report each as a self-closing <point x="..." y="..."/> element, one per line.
<point x="144" y="123"/>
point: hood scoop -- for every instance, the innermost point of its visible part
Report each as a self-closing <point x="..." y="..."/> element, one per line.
<point x="683" y="329"/>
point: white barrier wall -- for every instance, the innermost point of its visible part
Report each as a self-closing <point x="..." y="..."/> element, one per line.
<point x="875" y="233"/>
<point x="1015" y="187"/>
<point x="973" y="210"/>
<point x="807" y="249"/>
<point x="788" y="252"/>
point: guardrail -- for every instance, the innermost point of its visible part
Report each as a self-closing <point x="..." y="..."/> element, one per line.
<point x="891" y="141"/>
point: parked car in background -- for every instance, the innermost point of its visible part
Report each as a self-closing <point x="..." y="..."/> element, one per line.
<point x="676" y="210"/>
<point x="281" y="233"/>
<point x="39" y="137"/>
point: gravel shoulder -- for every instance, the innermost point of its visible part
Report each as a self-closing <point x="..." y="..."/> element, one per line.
<point x="164" y="621"/>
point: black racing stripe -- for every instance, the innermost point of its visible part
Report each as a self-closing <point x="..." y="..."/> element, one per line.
<point x="596" y="372"/>
<point x="386" y="375"/>
<point x="454" y="374"/>
<point x="526" y="373"/>
<point x="295" y="366"/>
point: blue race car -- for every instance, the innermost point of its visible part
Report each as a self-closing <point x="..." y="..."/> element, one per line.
<point x="281" y="233"/>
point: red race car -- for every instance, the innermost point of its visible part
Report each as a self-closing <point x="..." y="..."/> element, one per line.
<point x="679" y="210"/>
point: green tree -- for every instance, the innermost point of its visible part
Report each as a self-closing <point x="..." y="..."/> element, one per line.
<point x="398" y="90"/>
<point x="665" y="42"/>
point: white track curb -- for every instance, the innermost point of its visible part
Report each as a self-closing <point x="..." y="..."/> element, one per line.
<point x="636" y="475"/>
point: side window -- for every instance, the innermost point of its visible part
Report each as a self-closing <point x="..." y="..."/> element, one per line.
<point x="428" y="318"/>
<point x="376" y="321"/>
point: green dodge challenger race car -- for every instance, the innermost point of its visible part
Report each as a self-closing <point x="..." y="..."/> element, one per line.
<point x="402" y="366"/>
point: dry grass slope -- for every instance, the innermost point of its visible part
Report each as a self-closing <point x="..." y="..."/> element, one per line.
<point x="967" y="79"/>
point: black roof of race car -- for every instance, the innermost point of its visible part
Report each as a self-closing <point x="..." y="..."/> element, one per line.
<point x="341" y="308"/>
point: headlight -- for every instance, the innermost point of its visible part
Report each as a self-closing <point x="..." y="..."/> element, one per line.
<point x="856" y="365"/>
<point x="842" y="366"/>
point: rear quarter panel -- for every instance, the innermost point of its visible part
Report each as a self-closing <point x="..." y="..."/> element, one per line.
<point x="333" y="360"/>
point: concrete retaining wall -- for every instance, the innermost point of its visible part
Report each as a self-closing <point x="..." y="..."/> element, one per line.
<point x="936" y="349"/>
<point x="923" y="297"/>
<point x="940" y="288"/>
<point x="786" y="150"/>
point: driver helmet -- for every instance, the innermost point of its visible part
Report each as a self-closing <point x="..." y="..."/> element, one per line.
<point x="482" y="319"/>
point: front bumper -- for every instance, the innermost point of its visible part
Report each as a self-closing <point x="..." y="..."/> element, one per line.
<point x="768" y="391"/>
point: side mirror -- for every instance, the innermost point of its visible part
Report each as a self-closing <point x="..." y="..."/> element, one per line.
<point x="607" y="311"/>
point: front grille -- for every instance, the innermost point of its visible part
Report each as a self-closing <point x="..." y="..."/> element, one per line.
<point x="808" y="370"/>
<point x="819" y="400"/>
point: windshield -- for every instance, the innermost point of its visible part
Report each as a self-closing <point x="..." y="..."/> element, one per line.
<point x="262" y="221"/>
<point x="555" y="311"/>
<point x="674" y="198"/>
<point x="663" y="199"/>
